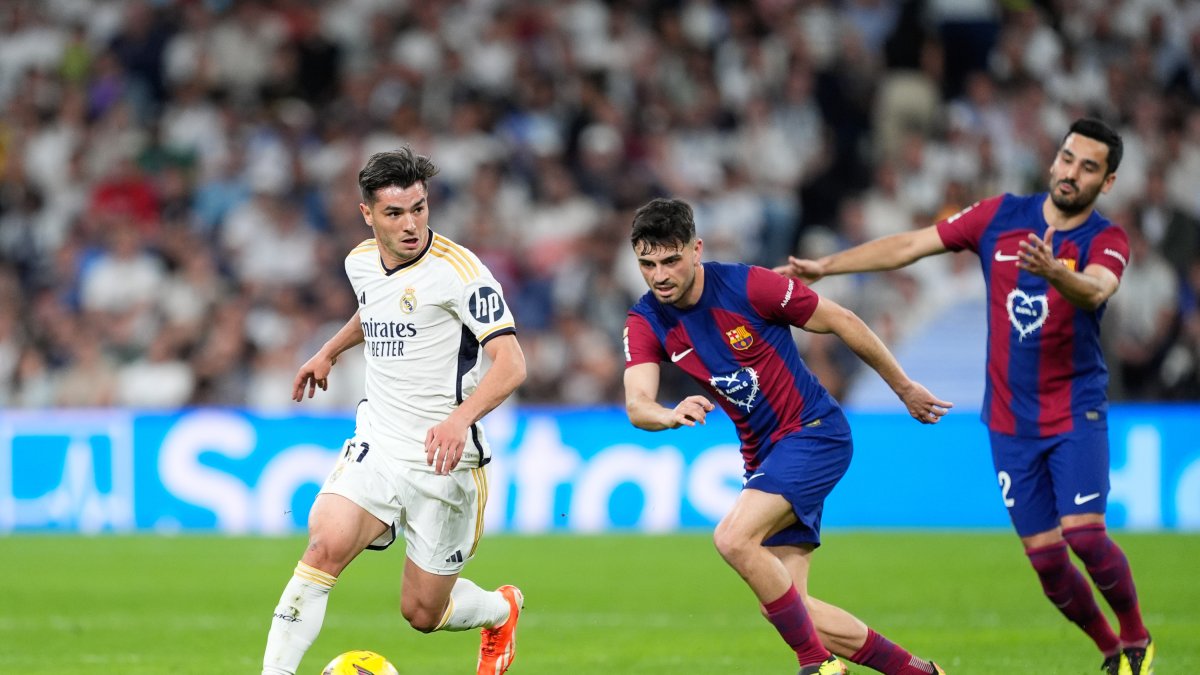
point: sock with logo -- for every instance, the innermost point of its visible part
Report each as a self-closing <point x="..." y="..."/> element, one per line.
<point x="1109" y="568"/>
<point x="472" y="607"/>
<point x="889" y="658"/>
<point x="791" y="619"/>
<point x="297" y="620"/>
<point x="1071" y="594"/>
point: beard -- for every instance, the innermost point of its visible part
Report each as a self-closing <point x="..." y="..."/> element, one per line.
<point x="1075" y="203"/>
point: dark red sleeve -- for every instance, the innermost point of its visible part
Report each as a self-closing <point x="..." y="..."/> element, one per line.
<point x="1110" y="249"/>
<point x="780" y="298"/>
<point x="641" y="345"/>
<point x="964" y="229"/>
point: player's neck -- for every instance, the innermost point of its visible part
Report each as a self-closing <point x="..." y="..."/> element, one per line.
<point x="1061" y="221"/>
<point x="693" y="295"/>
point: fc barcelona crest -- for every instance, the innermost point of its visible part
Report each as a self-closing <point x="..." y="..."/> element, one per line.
<point x="739" y="338"/>
<point x="408" y="301"/>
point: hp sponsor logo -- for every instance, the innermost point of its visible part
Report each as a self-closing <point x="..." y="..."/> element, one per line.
<point x="486" y="305"/>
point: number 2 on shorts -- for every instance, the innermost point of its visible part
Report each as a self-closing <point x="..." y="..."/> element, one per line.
<point x="1005" y="486"/>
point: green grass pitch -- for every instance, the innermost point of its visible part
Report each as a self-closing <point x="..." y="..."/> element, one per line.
<point x="607" y="605"/>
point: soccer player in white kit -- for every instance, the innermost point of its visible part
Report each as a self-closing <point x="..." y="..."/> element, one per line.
<point x="426" y="306"/>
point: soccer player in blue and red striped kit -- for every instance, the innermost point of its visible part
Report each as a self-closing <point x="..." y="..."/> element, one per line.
<point x="1051" y="261"/>
<point x="729" y="327"/>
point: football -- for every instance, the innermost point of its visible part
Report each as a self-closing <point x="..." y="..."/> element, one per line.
<point x="359" y="662"/>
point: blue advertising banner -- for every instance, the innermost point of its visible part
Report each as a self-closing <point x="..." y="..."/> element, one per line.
<point x="555" y="470"/>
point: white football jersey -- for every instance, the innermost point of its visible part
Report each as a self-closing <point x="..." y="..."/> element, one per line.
<point x="423" y="325"/>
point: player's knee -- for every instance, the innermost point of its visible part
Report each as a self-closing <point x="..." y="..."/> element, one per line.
<point x="1084" y="537"/>
<point x="423" y="621"/>
<point x="421" y="616"/>
<point x="326" y="554"/>
<point x="730" y="543"/>
<point x="1050" y="562"/>
<point x="318" y="555"/>
<point x="1089" y="542"/>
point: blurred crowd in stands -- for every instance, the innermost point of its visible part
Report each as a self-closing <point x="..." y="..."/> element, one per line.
<point x="178" y="177"/>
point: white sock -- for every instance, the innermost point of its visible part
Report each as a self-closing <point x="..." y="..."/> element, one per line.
<point x="297" y="619"/>
<point x="472" y="607"/>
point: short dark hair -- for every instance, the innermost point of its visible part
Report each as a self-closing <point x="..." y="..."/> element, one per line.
<point x="400" y="168"/>
<point x="1098" y="130"/>
<point x="663" y="223"/>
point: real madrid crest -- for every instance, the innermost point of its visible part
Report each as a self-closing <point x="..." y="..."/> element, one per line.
<point x="408" y="301"/>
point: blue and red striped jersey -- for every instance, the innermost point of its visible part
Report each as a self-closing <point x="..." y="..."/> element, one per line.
<point x="737" y="343"/>
<point x="1045" y="368"/>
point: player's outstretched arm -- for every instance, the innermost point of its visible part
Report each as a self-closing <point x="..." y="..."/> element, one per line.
<point x="886" y="253"/>
<point x="446" y="441"/>
<point x="830" y="317"/>
<point x="315" y="371"/>
<point x="641" y="390"/>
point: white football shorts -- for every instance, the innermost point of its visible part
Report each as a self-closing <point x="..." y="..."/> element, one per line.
<point x="441" y="517"/>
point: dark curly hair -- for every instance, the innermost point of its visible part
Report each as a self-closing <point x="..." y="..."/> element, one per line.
<point x="662" y="223"/>
<point x="400" y="168"/>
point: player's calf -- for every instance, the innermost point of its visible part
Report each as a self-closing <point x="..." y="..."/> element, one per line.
<point x="1071" y="594"/>
<point x="297" y="619"/>
<point x="1109" y="569"/>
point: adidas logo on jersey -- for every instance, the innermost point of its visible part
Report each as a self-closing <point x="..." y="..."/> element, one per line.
<point x="456" y="558"/>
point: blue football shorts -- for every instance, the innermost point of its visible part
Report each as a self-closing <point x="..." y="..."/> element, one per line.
<point x="1043" y="479"/>
<point x="803" y="468"/>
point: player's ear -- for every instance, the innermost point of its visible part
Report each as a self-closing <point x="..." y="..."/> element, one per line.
<point x="366" y="214"/>
<point x="1108" y="182"/>
<point x="699" y="249"/>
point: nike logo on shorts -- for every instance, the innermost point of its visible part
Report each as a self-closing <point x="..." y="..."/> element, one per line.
<point x="675" y="357"/>
<point x="1083" y="499"/>
<point x="1005" y="257"/>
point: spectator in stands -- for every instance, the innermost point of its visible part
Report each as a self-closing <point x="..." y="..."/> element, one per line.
<point x="1145" y="316"/>
<point x="174" y="113"/>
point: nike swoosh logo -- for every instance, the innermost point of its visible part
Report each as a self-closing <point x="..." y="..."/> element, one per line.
<point x="1004" y="257"/>
<point x="675" y="357"/>
<point x="755" y="476"/>
<point x="1083" y="499"/>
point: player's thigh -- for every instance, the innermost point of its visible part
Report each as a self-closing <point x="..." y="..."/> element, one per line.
<point x="338" y="530"/>
<point x="804" y="468"/>
<point x="357" y="501"/>
<point x="755" y="516"/>
<point x="1025" y="482"/>
<point x="443" y="517"/>
<point x="1079" y="464"/>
